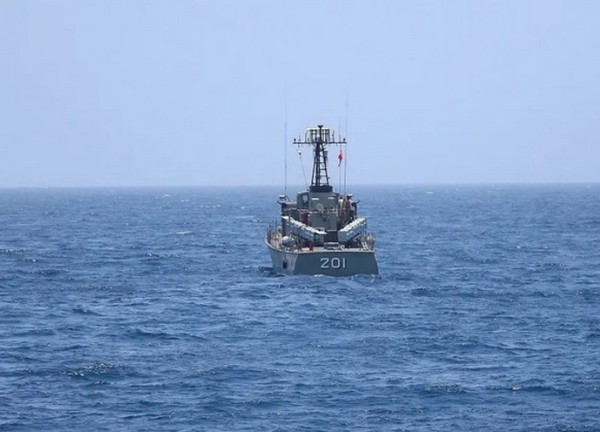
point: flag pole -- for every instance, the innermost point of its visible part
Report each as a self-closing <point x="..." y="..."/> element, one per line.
<point x="340" y="157"/>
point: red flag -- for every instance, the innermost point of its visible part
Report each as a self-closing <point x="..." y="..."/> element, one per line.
<point x="340" y="157"/>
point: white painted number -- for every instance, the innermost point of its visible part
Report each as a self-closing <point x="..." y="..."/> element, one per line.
<point x="334" y="263"/>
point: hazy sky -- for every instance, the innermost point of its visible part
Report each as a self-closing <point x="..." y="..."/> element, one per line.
<point x="134" y="93"/>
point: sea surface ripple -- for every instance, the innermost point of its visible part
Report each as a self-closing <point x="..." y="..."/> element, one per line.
<point x="155" y="309"/>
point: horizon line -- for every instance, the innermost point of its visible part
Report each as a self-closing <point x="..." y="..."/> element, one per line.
<point x="259" y="185"/>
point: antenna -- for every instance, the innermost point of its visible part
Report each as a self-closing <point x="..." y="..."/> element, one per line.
<point x="285" y="140"/>
<point x="340" y="146"/>
<point x="346" y="136"/>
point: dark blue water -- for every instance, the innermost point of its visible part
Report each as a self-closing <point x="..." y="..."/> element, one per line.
<point x="156" y="310"/>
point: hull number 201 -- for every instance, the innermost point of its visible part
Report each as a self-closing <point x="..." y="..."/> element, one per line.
<point x="333" y="263"/>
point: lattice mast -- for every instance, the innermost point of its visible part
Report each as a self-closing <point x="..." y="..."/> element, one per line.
<point x="319" y="138"/>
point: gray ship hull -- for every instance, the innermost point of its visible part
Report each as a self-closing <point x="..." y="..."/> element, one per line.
<point x="337" y="262"/>
<point x="320" y="232"/>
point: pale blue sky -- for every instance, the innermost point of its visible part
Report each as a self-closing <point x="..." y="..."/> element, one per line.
<point x="145" y="93"/>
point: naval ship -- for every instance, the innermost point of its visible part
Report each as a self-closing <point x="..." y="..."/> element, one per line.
<point x="320" y="232"/>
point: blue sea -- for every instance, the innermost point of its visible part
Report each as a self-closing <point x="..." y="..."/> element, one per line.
<point x="156" y="310"/>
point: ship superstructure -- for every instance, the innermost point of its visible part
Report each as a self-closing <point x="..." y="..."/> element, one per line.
<point x="320" y="231"/>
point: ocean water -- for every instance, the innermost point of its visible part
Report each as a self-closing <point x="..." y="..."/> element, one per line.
<point x="155" y="309"/>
